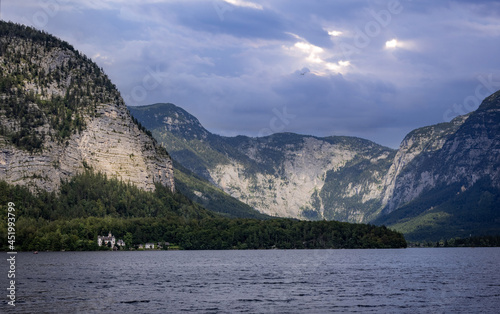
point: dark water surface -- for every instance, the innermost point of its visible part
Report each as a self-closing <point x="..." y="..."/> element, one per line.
<point x="435" y="280"/>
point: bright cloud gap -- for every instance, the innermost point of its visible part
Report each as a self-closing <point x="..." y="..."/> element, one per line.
<point x="393" y="43"/>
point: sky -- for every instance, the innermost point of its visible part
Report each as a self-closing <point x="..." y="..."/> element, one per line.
<point x="371" y="69"/>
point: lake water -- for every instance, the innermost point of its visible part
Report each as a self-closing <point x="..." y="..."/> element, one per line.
<point x="434" y="280"/>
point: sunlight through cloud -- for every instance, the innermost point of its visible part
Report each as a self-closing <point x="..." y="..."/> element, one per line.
<point x="391" y="44"/>
<point x="316" y="58"/>
<point x="335" y="33"/>
<point x="245" y="4"/>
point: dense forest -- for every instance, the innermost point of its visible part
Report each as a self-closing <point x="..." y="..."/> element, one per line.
<point x="437" y="216"/>
<point x="91" y="204"/>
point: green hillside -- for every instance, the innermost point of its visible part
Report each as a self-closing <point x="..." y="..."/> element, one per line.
<point x="210" y="197"/>
<point x="435" y="216"/>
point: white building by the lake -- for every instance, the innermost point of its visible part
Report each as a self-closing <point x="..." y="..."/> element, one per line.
<point x="104" y="240"/>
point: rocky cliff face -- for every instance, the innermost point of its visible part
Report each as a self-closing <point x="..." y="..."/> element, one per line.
<point x="286" y="189"/>
<point x="306" y="177"/>
<point x="418" y="143"/>
<point x="60" y="114"/>
<point x="468" y="151"/>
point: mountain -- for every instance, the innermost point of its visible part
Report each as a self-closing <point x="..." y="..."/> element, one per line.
<point x="468" y="154"/>
<point x="286" y="175"/>
<point x="188" y="180"/>
<point x="60" y="115"/>
<point x="417" y="143"/>
<point x="454" y="190"/>
<point x="443" y="181"/>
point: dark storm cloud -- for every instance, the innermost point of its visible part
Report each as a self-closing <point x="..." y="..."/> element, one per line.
<point x="239" y="64"/>
<point x="241" y="22"/>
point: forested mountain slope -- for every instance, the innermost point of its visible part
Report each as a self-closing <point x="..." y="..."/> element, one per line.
<point x="60" y="114"/>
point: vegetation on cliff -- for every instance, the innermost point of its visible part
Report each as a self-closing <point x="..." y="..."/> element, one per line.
<point x="46" y="87"/>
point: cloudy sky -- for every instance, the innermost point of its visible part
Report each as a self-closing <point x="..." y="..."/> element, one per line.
<point x="372" y="69"/>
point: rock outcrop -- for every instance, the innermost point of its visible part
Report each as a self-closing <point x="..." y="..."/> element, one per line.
<point x="468" y="150"/>
<point x="419" y="142"/>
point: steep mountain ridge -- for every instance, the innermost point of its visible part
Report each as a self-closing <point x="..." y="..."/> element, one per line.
<point x="60" y="114"/>
<point x="419" y="142"/>
<point x="291" y="172"/>
<point x="470" y="153"/>
<point x="454" y="190"/>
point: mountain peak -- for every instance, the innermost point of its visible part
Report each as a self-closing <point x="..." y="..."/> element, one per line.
<point x="171" y="118"/>
<point x="491" y="102"/>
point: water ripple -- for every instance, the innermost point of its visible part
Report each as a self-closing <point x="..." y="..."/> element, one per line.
<point x="376" y="281"/>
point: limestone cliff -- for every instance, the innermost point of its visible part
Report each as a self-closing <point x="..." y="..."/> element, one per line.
<point x="469" y="151"/>
<point x="60" y="114"/>
<point x="417" y="143"/>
